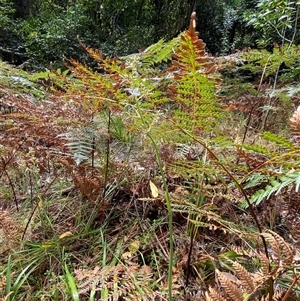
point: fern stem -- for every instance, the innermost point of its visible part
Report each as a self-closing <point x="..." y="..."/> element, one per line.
<point x="231" y="176"/>
<point x="192" y="227"/>
<point x="107" y="154"/>
<point x="237" y="183"/>
<point x="286" y="295"/>
<point x="269" y="162"/>
<point x="12" y="189"/>
<point x="168" y="200"/>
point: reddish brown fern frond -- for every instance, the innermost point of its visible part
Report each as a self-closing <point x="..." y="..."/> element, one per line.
<point x="94" y="53"/>
<point x="230" y="288"/>
<point x="181" y="62"/>
<point x="30" y="132"/>
<point x="108" y="64"/>
<point x="93" y="91"/>
<point x="295" y="125"/>
<point x="252" y="161"/>
<point x="213" y="295"/>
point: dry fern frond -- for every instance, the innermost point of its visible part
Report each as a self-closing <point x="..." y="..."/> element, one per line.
<point x="201" y="57"/>
<point x="265" y="263"/>
<point x="286" y="253"/>
<point x="253" y="161"/>
<point x="276" y="256"/>
<point x="244" y="276"/>
<point x="2" y="282"/>
<point x="229" y="287"/>
<point x="213" y="295"/>
<point x="11" y="228"/>
<point x="295" y="125"/>
<point x="94" y="53"/>
<point x="278" y="294"/>
<point x="282" y="251"/>
<point x="125" y="282"/>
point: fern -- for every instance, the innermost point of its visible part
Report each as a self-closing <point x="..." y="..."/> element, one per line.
<point x="240" y="284"/>
<point x="256" y="179"/>
<point x="275" y="186"/>
<point x="159" y="52"/>
<point x="120" y="281"/>
<point x="230" y="288"/>
<point x="259" y="59"/>
<point x="213" y="295"/>
<point x="280" y="141"/>
<point x="195" y="87"/>
<point x="259" y="149"/>
<point x="274" y="179"/>
<point x="80" y="144"/>
<point x="282" y="252"/>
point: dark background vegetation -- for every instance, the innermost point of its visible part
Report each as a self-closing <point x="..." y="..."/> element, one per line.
<point x="40" y="31"/>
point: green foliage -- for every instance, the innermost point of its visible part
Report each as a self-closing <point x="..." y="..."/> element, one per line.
<point x="277" y="20"/>
<point x="20" y="81"/>
<point x="274" y="187"/>
<point x="222" y="25"/>
<point x="47" y="30"/>
<point x="158" y="53"/>
<point x="286" y="58"/>
<point x="50" y="30"/>
<point x="6" y="10"/>
<point x="70" y="281"/>
<point x="48" y="37"/>
<point x="281" y="142"/>
<point x="14" y="285"/>
<point x="10" y="40"/>
<point x="276" y="171"/>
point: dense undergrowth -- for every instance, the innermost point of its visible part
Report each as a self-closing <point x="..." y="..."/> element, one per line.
<point x="164" y="175"/>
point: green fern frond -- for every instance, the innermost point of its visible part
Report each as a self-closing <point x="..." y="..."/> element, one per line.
<point x="280" y="141"/>
<point x="187" y="169"/>
<point x="159" y="52"/>
<point x="259" y="149"/>
<point x="255" y="180"/>
<point x="270" y="61"/>
<point x="148" y="61"/>
<point x="195" y="86"/>
<point x="275" y="186"/>
<point x="205" y="216"/>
